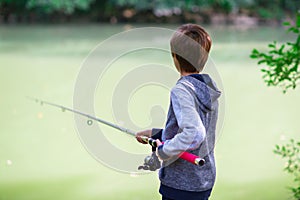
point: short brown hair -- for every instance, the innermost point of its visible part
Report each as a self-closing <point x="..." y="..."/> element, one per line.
<point x="191" y="55"/>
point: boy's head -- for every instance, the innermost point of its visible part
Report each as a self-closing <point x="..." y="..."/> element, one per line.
<point x="190" y="45"/>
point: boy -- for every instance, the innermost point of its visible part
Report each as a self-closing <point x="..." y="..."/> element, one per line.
<point x="191" y="121"/>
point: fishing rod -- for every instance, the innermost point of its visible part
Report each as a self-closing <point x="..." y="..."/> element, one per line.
<point x="150" y="161"/>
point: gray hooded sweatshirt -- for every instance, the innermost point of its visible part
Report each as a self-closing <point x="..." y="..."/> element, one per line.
<point x="190" y="127"/>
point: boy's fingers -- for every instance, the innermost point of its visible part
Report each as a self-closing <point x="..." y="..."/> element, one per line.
<point x="140" y="140"/>
<point x="146" y="133"/>
<point x="140" y="134"/>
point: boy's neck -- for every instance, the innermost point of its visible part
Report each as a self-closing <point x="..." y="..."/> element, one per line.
<point x="187" y="73"/>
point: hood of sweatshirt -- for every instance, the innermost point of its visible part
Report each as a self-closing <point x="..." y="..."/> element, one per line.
<point x="203" y="88"/>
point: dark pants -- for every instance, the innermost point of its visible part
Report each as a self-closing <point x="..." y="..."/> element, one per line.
<point x="204" y="196"/>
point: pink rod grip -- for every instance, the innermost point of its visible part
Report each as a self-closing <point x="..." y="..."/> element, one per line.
<point x="196" y="160"/>
<point x="192" y="158"/>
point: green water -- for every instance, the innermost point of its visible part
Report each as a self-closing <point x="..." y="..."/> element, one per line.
<point x="41" y="156"/>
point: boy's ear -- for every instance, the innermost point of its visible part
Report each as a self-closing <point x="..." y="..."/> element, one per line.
<point x="176" y="63"/>
<point x="175" y="59"/>
<point x="173" y="55"/>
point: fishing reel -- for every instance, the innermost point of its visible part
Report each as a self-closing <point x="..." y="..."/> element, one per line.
<point x="151" y="163"/>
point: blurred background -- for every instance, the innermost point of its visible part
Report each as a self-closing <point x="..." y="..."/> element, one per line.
<point x="42" y="46"/>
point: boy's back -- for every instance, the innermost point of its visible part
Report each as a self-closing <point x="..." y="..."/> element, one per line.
<point x="191" y="122"/>
<point x="194" y="106"/>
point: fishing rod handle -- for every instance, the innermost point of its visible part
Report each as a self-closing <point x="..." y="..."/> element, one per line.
<point x="196" y="160"/>
<point x="192" y="158"/>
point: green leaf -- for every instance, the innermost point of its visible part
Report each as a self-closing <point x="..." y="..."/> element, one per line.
<point x="286" y="23"/>
<point x="281" y="49"/>
<point x="253" y="56"/>
<point x="271" y="45"/>
<point x="261" y="61"/>
<point x="283" y="148"/>
<point x="298" y="20"/>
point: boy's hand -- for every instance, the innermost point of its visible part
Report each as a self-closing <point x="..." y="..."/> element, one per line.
<point x="147" y="133"/>
<point x="158" y="143"/>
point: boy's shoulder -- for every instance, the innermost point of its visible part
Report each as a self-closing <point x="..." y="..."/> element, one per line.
<point x="185" y="83"/>
<point x="181" y="89"/>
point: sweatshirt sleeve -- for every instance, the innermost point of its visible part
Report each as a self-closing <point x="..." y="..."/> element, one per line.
<point x="156" y="133"/>
<point x="192" y="132"/>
